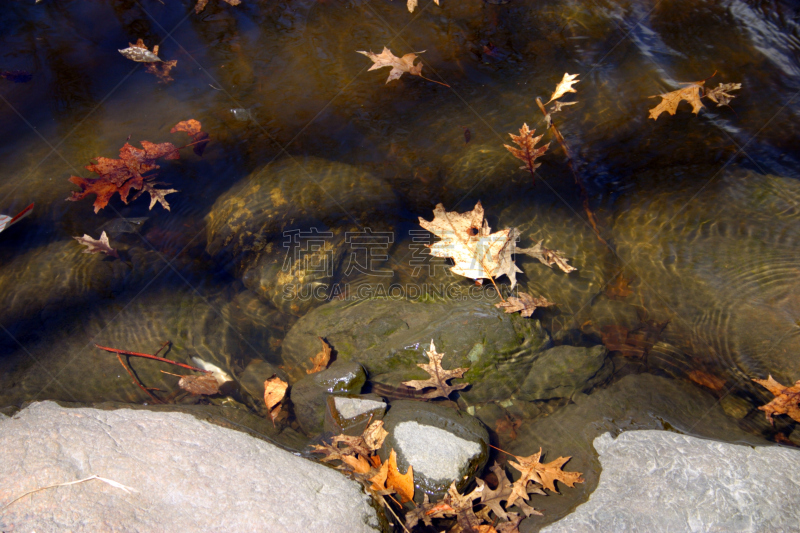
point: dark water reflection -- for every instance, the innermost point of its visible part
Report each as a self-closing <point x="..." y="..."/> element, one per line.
<point x="701" y="211"/>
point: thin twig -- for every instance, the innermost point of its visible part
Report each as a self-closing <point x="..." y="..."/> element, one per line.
<point x="149" y="356"/>
<point x="399" y="521"/>
<point x="578" y="182"/>
<point x="136" y="381"/>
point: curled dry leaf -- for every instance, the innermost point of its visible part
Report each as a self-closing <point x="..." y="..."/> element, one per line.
<point x="468" y="240"/>
<point x="564" y="86"/>
<point x="194" y="129"/>
<point x="547" y="256"/>
<point x="321" y="360"/>
<point x="527" y="151"/>
<point x="786" y="402"/>
<point x="439" y="376"/>
<point x="274" y="391"/>
<point x="721" y="95"/>
<point x="94" y="246"/>
<point x="525" y="303"/>
<point x="390" y="478"/>
<point x="205" y="384"/>
<point x="670" y="101"/>
<point x="138" y="52"/>
<point x="400" y="65"/>
<point x="374" y="435"/>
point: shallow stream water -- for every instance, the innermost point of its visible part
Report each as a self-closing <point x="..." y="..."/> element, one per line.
<point x="700" y="213"/>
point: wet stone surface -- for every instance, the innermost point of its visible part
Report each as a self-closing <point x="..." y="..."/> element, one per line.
<point x="309" y="396"/>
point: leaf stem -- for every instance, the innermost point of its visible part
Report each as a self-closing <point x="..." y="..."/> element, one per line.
<point x="434" y="81"/>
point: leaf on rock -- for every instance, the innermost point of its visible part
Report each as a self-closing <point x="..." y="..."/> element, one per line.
<point x="527" y="151"/>
<point x="94" y="246"/>
<point x="467" y="239"/>
<point x="670" y="101"/>
<point x="492" y="498"/>
<point x="138" y="52"/>
<point x="194" y="129"/>
<point x="512" y="526"/>
<point x="354" y="445"/>
<point x="321" y="360"/>
<point x="720" y="94"/>
<point x="786" y="401"/>
<point x="400" y="65"/>
<point x="358" y="463"/>
<point x="508" y="424"/>
<point x="547" y="256"/>
<point x="439" y="376"/>
<point x="205" y="384"/>
<point x="525" y="303"/>
<point x="274" y="392"/>
<point x="564" y="87"/>
<point x="374" y="435"/>
<point x="389" y="478"/>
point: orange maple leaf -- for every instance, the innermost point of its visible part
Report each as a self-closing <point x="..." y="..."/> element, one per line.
<point x="786" y="401"/>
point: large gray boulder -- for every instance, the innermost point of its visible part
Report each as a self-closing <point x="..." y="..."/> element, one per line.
<point x="390" y="337"/>
<point x="187" y="475"/>
<point x="658" y="481"/>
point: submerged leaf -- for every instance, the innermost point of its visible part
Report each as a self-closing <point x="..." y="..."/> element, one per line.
<point x="527" y="151"/>
<point x="321" y="360"/>
<point x="547" y="256"/>
<point x="94" y="246"/>
<point x="205" y="384"/>
<point x="439" y="376"/>
<point x="525" y="303"/>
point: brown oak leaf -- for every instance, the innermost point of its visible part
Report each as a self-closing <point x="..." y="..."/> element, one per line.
<point x="527" y="151"/>
<point x="94" y="246"/>
<point x="786" y="401"/>
<point x="400" y="65"/>
<point x="321" y="360"/>
<point x="492" y="498"/>
<point x="205" y="384"/>
<point x="545" y="474"/>
<point x="547" y="256"/>
<point x="274" y="392"/>
<point x="720" y="94"/>
<point x="439" y="376"/>
<point x="670" y="101"/>
<point x="564" y="87"/>
<point x="525" y="303"/>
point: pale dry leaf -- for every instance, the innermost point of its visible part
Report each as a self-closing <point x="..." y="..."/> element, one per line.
<point x="544" y="474"/>
<point x="525" y="303"/>
<point x="492" y="498"/>
<point x="138" y="52"/>
<point x="439" y="376"/>
<point x="358" y="463"/>
<point x="399" y="65"/>
<point x="374" y="435"/>
<point x="670" y="101"/>
<point x="512" y="526"/>
<point x="467" y="239"/>
<point x="547" y="256"/>
<point x="557" y="106"/>
<point x="786" y="401"/>
<point x="206" y="385"/>
<point x="721" y="95"/>
<point x="95" y="246"/>
<point x="274" y="392"/>
<point x="156" y="195"/>
<point x="564" y="86"/>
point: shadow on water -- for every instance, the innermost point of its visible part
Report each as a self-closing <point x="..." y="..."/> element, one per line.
<point x="701" y="211"/>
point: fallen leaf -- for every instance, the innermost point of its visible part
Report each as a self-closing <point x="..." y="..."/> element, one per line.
<point x="707" y="380"/>
<point x="354" y="445"/>
<point x="720" y="94"/>
<point x="138" y="52"/>
<point x="274" y="391"/>
<point x="94" y="246"/>
<point x="547" y="256"/>
<point x="194" y="129"/>
<point x="400" y="65"/>
<point x="461" y="506"/>
<point x="525" y="303"/>
<point x="492" y="498"/>
<point x="156" y="195"/>
<point x="439" y="376"/>
<point x="162" y="70"/>
<point x="321" y="360"/>
<point x="786" y="401"/>
<point x="545" y="474"/>
<point x="670" y="101"/>
<point x="421" y="512"/>
<point x="357" y="463"/>
<point x="564" y="86"/>
<point x="467" y="239"/>
<point x="615" y="339"/>
<point x="201" y="4"/>
<point x="527" y="151"/>
<point x="374" y="435"/>
<point x="508" y="424"/>
<point x="206" y="384"/>
<point x="512" y="526"/>
<point x="557" y="106"/>
<point x="403" y="484"/>
<point x="619" y="288"/>
<point x="412" y="4"/>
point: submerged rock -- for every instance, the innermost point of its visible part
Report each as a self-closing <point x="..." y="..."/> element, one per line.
<point x="283" y="228"/>
<point x="215" y="479"/>
<point x="442" y="444"/>
<point x="389" y="339"/>
<point x="563" y="370"/>
<point x="310" y="395"/>
<point x="698" y="484"/>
